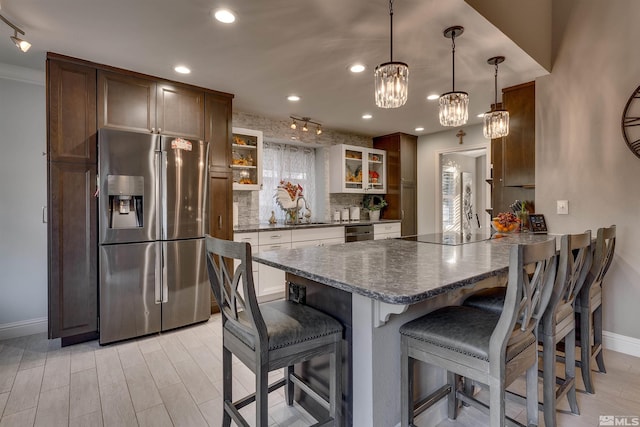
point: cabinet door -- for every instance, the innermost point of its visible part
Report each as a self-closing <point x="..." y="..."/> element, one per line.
<point x="71" y="110"/>
<point x="126" y="102"/>
<point x="217" y="131"/>
<point x="519" y="152"/>
<point x="220" y="206"/>
<point x="72" y="247"/>
<point x="180" y="111"/>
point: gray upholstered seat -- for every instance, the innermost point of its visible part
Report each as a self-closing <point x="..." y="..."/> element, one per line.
<point x="269" y="336"/>
<point x="588" y="307"/>
<point x="558" y="323"/>
<point x="483" y="347"/>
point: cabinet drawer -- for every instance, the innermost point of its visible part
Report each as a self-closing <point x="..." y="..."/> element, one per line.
<point x="335" y="241"/>
<point x="251" y="238"/>
<point x="305" y="244"/>
<point x="274" y="237"/>
<point x="393" y="227"/>
<point x="274" y="247"/>
<point x="320" y="233"/>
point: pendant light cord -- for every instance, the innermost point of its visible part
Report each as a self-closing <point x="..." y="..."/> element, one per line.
<point x="495" y="87"/>
<point x="391" y="30"/>
<point x="453" y="61"/>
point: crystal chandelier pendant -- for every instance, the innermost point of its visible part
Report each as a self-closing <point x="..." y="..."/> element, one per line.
<point x="454" y="108"/>
<point x="392" y="84"/>
<point x="496" y="124"/>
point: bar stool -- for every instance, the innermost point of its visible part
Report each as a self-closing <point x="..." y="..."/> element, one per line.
<point x="484" y="347"/>
<point x="558" y="322"/>
<point x="268" y="336"/>
<point x="588" y="307"/>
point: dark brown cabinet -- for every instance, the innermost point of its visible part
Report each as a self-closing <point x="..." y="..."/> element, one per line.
<point x="81" y="98"/>
<point x="513" y="157"/>
<point x="71" y="111"/>
<point x="131" y="102"/>
<point x="217" y="130"/>
<point x="402" y="178"/>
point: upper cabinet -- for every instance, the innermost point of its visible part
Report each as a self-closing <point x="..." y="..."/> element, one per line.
<point x="217" y="130"/>
<point x="246" y="159"/>
<point x="132" y="102"/>
<point x="71" y="112"/>
<point x="357" y="170"/>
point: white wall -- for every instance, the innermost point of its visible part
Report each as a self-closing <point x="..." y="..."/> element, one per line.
<point x="429" y="147"/>
<point x="580" y="152"/>
<point x="23" y="181"/>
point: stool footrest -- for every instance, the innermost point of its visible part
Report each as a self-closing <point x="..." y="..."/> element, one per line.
<point x="432" y="399"/>
<point x="484" y="408"/>
<point x="239" y="404"/>
<point x="297" y="380"/>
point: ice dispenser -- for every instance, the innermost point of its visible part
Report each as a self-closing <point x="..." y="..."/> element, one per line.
<point x="126" y="194"/>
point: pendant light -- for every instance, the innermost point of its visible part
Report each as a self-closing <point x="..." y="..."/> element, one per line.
<point x="496" y="121"/>
<point x="391" y="78"/>
<point x="454" y="106"/>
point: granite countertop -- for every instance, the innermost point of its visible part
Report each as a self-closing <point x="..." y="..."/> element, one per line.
<point x="398" y="271"/>
<point x="269" y="227"/>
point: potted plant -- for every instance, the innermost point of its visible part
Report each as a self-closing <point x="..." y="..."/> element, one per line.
<point x="374" y="203"/>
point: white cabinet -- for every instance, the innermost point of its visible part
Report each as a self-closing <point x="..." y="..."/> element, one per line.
<point x="322" y="236"/>
<point x="357" y="170"/>
<point x="272" y="280"/>
<point x="246" y="159"/>
<point x="386" y="230"/>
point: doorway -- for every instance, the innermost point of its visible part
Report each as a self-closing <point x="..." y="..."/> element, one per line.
<point x="463" y="195"/>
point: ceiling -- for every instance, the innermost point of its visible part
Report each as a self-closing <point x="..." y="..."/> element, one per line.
<point x="281" y="47"/>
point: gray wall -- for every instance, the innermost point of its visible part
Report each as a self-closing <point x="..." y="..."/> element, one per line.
<point x="23" y="168"/>
<point x="580" y="152"/>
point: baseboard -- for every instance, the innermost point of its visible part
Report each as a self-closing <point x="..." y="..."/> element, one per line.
<point x="23" y="328"/>
<point x="621" y="343"/>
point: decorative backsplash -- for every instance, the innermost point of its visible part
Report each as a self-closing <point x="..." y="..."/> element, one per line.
<point x="279" y="130"/>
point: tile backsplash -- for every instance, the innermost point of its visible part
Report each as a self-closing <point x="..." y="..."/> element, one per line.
<point x="279" y="131"/>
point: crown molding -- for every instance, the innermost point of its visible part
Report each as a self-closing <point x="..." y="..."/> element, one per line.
<point x="21" y="74"/>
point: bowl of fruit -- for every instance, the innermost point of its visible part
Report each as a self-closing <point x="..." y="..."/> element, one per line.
<point x="506" y="222"/>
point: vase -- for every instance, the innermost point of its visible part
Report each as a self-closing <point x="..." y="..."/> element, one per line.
<point x="374" y="215"/>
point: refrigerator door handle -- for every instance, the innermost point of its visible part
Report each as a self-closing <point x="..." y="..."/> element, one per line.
<point x="165" y="278"/>
<point x="158" y="277"/>
<point x="161" y="222"/>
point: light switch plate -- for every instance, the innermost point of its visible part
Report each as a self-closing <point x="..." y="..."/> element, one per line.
<point x="562" y="207"/>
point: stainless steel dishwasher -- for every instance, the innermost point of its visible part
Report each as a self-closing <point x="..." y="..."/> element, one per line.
<point x="357" y="233"/>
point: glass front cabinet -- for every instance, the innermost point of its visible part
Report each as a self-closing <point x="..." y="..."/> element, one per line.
<point x="357" y="170"/>
<point x="246" y="158"/>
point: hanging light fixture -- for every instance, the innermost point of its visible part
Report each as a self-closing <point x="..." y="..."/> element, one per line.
<point x="319" y="130"/>
<point x="454" y="106"/>
<point x="21" y="44"/>
<point x="391" y="78"/>
<point x="293" y="124"/>
<point x="305" y="128"/>
<point x="496" y="121"/>
<point x="306" y="121"/>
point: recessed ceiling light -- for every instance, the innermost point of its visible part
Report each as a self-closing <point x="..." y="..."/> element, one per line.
<point x="357" y="68"/>
<point x="433" y="97"/>
<point x="293" y="98"/>
<point x="225" y="16"/>
<point x="367" y="116"/>
<point x="182" y="69"/>
<point x="419" y="129"/>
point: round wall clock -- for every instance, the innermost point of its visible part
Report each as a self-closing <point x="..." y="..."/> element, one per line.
<point x="631" y="122"/>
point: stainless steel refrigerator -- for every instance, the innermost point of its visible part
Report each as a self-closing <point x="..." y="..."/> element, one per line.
<point x="152" y="219"/>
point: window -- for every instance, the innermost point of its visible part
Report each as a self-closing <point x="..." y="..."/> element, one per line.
<point x="450" y="199"/>
<point x="289" y="163"/>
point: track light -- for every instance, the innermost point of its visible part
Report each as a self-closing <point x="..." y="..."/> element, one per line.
<point x="21" y="44"/>
<point x="306" y="122"/>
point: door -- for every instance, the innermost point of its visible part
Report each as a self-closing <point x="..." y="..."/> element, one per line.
<point x="126" y="102"/>
<point x="184" y="188"/>
<point x="130" y="290"/>
<point x="180" y="111"/>
<point x="128" y="168"/>
<point x="218" y="131"/>
<point x="185" y="285"/>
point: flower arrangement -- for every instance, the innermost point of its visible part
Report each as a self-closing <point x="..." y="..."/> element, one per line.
<point x="373" y="202"/>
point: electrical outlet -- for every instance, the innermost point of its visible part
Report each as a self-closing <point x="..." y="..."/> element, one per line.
<point x="562" y="207"/>
<point x="297" y="293"/>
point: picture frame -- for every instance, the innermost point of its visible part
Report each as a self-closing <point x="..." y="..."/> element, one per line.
<point x="537" y="224"/>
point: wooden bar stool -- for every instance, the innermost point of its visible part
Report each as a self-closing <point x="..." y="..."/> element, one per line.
<point x="558" y="322"/>
<point x="269" y="336"/>
<point x="484" y="347"/>
<point x="588" y="307"/>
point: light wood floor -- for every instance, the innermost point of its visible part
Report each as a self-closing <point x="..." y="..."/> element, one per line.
<point x="175" y="379"/>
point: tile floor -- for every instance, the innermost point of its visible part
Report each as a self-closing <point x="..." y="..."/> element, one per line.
<point x="175" y="379"/>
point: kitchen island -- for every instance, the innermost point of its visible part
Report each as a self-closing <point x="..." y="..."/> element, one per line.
<point x="374" y="287"/>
